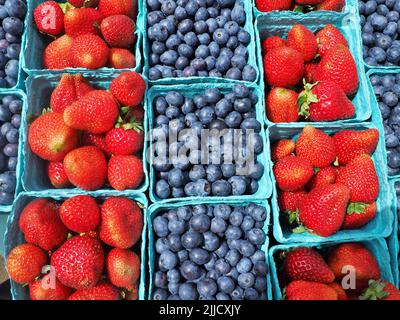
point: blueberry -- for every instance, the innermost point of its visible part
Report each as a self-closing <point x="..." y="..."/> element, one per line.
<point x="211" y="241"/>
<point x="167" y="260"/>
<point x="180" y="13"/>
<point x="160" y="279"/>
<point x="249" y="73"/>
<point x="226" y="284"/>
<point x="370" y="7"/>
<point x="5" y="115"/>
<point x="257" y="212"/>
<point x="394" y="159"/>
<point x="256" y="236"/>
<point x="201" y="14"/>
<point x="192" y="7"/>
<point x="244" y="265"/>
<point x="379" y="22"/>
<point x="155" y="74"/>
<point x="199" y="64"/>
<point x="221" y="36"/>
<point x="168" y="7"/>
<point x="12" y="136"/>
<point x="234" y="74"/>
<point x="393" y="54"/>
<point x="222" y="267"/>
<point x="11" y="150"/>
<point x="160" y="294"/>
<point x="391" y="141"/>
<point x="222" y="296"/>
<point x="233" y="233"/>
<point x="384" y="41"/>
<point x="246" y="280"/>
<point x="185" y="26"/>
<point x="393" y="16"/>
<point x="221" y="188"/>
<point x="238" y="184"/>
<point x="190" y="271"/>
<point x="222" y="250"/>
<point x="390" y="99"/>
<point x="191" y="239"/>
<point x="207" y="287"/>
<point x="7" y="182"/>
<point x="382" y="10"/>
<point x="11" y="164"/>
<point x="183" y="255"/>
<point x="13" y="25"/>
<point x="187" y="291"/>
<point x="200" y="223"/>
<point x="185" y="50"/>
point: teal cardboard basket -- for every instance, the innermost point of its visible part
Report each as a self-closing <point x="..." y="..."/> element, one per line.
<point x="35" y="44"/>
<point x="393" y="240"/>
<point x="156" y="209"/>
<point x="267" y="26"/>
<point x="377" y="247"/>
<point x="39" y="89"/>
<point x="251" y="48"/>
<point x="380" y="226"/>
<point x="14" y="236"/>
<point x="5" y="209"/>
<point x="265" y="187"/>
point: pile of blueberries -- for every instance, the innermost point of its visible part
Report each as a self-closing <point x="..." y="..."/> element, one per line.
<point x="187" y="175"/>
<point x="210" y="253"/>
<point x="380" y="30"/>
<point x="12" y="16"/>
<point x="206" y="38"/>
<point x="10" y="120"/>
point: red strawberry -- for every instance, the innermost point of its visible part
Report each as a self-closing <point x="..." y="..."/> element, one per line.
<point x="128" y="88"/>
<point x="96" y="112"/>
<point x="272" y="5"/>
<point x="121" y="59"/>
<point x="359" y="214"/>
<point x="118" y="31"/>
<point x="339" y="290"/>
<point x="309" y="69"/>
<point x="57" y="176"/>
<point x="282" y="148"/>
<point x="322" y="178"/>
<point x="333" y="5"/>
<point x="80" y="213"/>
<point x="79" y="262"/>
<point x="121" y="222"/>
<point x="307" y="264"/>
<point x="281" y="105"/>
<point x="89" y="51"/>
<point x="81" y="21"/>
<point x="103" y="291"/>
<point x="329" y="37"/>
<point x="136" y="114"/>
<point x="358" y="257"/>
<point x="121" y="141"/>
<point x="49" y="18"/>
<point x="125" y="172"/>
<point x="41" y="224"/>
<point x="114" y="7"/>
<point x="123" y="268"/>
<point x="25" y="263"/>
<point x="323" y="209"/>
<point x="283" y="66"/>
<point x="325" y="101"/>
<point x="292" y="173"/>
<point x="338" y="65"/>
<point x="308" y="2"/>
<point x="98" y="140"/>
<point x="307" y="290"/>
<point x="380" y="290"/>
<point x="84" y="3"/>
<point x="86" y="167"/>
<point x="57" y="53"/>
<point x="42" y="291"/>
<point x="304" y="41"/>
<point x="290" y="201"/>
<point x="316" y="147"/>
<point x="360" y="177"/>
<point x="272" y="43"/>
<point x="350" y="143"/>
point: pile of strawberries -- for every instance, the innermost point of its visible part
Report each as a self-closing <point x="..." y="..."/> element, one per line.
<point x="311" y="277"/>
<point x="300" y="5"/>
<point x="78" y="249"/>
<point x="327" y="183"/>
<point x="90" y="135"/>
<point x="86" y="36"/>
<point x="311" y="76"/>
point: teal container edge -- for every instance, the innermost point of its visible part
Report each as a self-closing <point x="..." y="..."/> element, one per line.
<point x="265" y="187"/>
<point x="393" y="240"/>
<point x="14" y="236"/>
<point x="380" y="226"/>
<point x="376" y="246"/>
<point x="155" y="208"/>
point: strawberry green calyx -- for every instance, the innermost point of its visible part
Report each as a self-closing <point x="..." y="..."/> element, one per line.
<point x="305" y="99"/>
<point x="293" y="216"/>
<point x="299" y="9"/>
<point x="65" y="7"/>
<point x="375" y="291"/>
<point x="356" y="207"/>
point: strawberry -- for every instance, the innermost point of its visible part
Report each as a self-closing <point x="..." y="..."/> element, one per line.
<point x="118" y="31"/>
<point x="96" y="112"/>
<point x="80" y="213"/>
<point x="292" y="173"/>
<point x="303" y="40"/>
<point x="272" y="5"/>
<point x="322" y="178"/>
<point x="309" y="69"/>
<point x="117" y="7"/>
<point x="272" y="43"/>
<point x="350" y="143"/>
<point x="360" y="177"/>
<point x="89" y="51"/>
<point x="121" y="141"/>
<point x="380" y="290"/>
<point x="57" y="176"/>
<point x="81" y="21"/>
<point x="70" y="88"/>
<point x="40" y="291"/>
<point x="98" y="140"/>
<point x="290" y="201"/>
<point x="84" y="3"/>
<point x="281" y="105"/>
<point x="282" y="148"/>
<point x="132" y="294"/>
<point x="283" y="67"/>
<point x="329" y="37"/>
<point x="49" y="18"/>
<point x="358" y="257"/>
<point x="307" y="264"/>
<point x="86" y="167"/>
<point x="342" y="295"/>
<point x="333" y="5"/>
<point x="123" y="268"/>
<point x="79" y="262"/>
<point x="25" y="263"/>
<point x="136" y="114"/>
<point x="323" y="209"/>
<point x="316" y="147"/>
<point x="41" y="224"/>
<point x="308" y="2"/>
<point x="121" y="222"/>
<point x="103" y="291"/>
<point x="338" y="65"/>
<point x="57" y="53"/>
<point x="307" y="290"/>
<point x="324" y="101"/>
<point x="359" y="214"/>
<point x="121" y="58"/>
<point x="128" y="88"/>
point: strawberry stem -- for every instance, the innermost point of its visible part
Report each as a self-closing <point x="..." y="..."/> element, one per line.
<point x="356" y="207"/>
<point x="375" y="291"/>
<point x="305" y="99"/>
